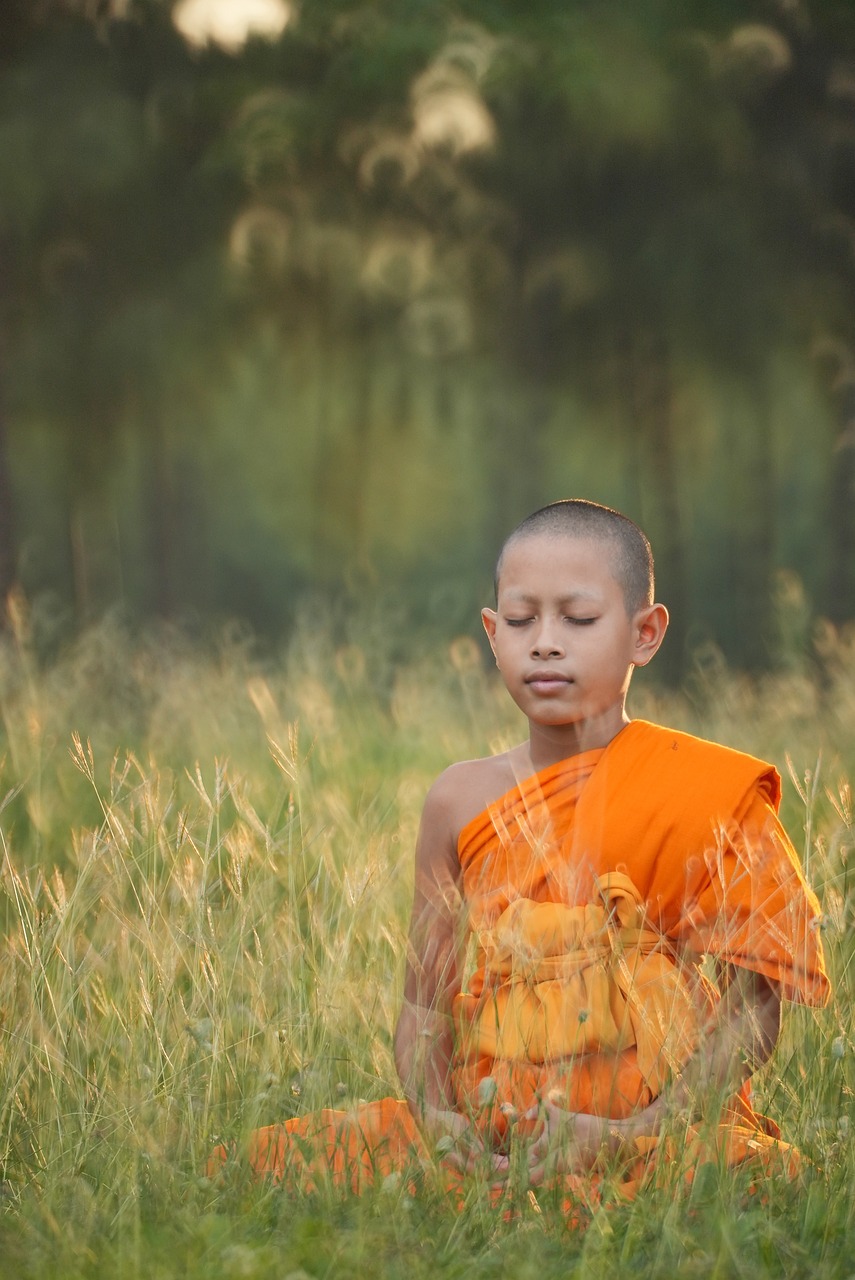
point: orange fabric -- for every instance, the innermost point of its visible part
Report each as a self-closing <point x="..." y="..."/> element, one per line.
<point x="691" y="823"/>
<point x="610" y="873"/>
<point x="349" y="1149"/>
<point x="378" y="1143"/>
<point x="571" y="981"/>
<point x="695" y="826"/>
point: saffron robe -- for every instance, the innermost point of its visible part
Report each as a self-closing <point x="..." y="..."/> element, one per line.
<point x="593" y="890"/>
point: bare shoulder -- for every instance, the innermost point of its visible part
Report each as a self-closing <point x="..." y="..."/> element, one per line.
<point x="458" y="794"/>
<point x="464" y="790"/>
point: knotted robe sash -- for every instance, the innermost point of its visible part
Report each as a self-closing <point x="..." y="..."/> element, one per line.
<point x="566" y="981"/>
<point x="594" y="888"/>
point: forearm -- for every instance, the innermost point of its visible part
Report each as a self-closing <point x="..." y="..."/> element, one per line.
<point x="742" y="1040"/>
<point x="424" y="1050"/>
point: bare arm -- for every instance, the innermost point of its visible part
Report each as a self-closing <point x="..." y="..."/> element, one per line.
<point x="424" y="1038"/>
<point x="424" y="1041"/>
<point x="743" y="1038"/>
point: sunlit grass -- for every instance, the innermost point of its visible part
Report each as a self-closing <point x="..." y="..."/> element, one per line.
<point x="206" y="873"/>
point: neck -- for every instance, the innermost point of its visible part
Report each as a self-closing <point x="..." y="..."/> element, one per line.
<point x="550" y="743"/>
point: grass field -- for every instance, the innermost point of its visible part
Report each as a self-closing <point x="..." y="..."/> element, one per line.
<point x="206" y="873"/>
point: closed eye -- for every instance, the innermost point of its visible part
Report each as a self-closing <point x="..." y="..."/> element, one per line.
<point x="581" y="622"/>
<point x="517" y="622"/>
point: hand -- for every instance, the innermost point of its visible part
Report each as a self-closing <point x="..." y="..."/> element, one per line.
<point x="460" y="1145"/>
<point x="569" y="1141"/>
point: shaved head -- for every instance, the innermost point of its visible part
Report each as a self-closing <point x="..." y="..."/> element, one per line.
<point x="629" y="550"/>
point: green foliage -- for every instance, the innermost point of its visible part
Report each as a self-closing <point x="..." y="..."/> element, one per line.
<point x="326" y="311"/>
<point x="204" y="891"/>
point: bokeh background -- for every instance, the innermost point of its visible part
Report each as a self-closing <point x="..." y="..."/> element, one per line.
<point x="311" y="301"/>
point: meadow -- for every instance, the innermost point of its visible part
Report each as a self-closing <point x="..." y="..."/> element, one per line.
<point x="206" y="876"/>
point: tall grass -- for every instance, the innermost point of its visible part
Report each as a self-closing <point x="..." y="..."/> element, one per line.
<point x="206" y="873"/>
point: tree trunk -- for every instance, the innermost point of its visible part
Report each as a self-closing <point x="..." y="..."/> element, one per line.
<point x="345" y="402"/>
<point x="749" y="509"/>
<point x="162" y="533"/>
<point x="759" y="548"/>
<point x="650" y="415"/>
<point x="8" y="538"/>
<point x="354" y="484"/>
<point x="517" y="411"/>
<point x="840" y="599"/>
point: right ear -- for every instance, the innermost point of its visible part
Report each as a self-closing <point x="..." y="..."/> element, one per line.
<point x="489" y="617"/>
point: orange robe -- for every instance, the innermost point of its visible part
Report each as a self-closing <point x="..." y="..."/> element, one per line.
<point x="593" y="890"/>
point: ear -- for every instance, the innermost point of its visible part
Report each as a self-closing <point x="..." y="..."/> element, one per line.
<point x="650" y="625"/>
<point x="489" y="617"/>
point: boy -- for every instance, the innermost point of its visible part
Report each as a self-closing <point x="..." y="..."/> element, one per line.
<point x="593" y="865"/>
<point x="575" y="615"/>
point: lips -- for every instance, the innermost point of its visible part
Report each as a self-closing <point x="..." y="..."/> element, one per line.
<point x="547" y="679"/>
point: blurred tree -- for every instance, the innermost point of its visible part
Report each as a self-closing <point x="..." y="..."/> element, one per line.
<point x="806" y="144"/>
<point x="17" y="22"/>
<point x="290" y="277"/>
<point x="113" y="237"/>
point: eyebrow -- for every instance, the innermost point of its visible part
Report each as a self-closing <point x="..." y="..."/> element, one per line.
<point x="523" y="597"/>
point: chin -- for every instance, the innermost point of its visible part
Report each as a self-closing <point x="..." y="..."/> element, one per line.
<point x="557" y="719"/>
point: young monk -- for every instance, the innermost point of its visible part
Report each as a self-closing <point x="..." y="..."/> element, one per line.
<point x="592" y="867"/>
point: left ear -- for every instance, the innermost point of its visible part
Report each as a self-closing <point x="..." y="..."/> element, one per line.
<point x="649" y="626"/>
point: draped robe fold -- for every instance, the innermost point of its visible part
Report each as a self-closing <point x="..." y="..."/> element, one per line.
<point x="593" y="890"/>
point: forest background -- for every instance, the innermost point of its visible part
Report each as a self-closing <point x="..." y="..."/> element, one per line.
<point x="302" y="306"/>
<point x="324" y="305"/>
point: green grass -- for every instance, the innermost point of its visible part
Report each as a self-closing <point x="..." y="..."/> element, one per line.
<point x="205" y="881"/>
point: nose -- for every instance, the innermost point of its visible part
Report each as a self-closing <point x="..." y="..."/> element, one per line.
<point x="546" y="642"/>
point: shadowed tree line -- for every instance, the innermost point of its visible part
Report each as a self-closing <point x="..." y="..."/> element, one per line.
<point x="334" y="313"/>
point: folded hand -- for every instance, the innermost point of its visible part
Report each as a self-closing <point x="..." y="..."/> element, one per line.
<point x="456" y="1140"/>
<point x="569" y="1141"/>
